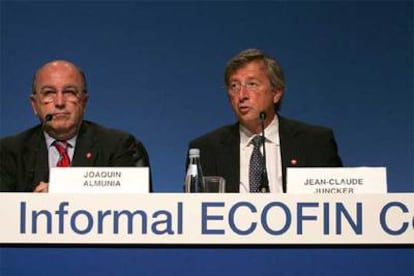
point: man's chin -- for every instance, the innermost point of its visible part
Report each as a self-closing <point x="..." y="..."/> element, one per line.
<point x="248" y="117"/>
<point x="61" y="132"/>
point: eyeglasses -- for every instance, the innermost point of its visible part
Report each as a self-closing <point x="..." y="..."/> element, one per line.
<point x="50" y="95"/>
<point x="251" y="86"/>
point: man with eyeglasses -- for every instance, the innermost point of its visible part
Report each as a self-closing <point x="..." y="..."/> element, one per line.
<point x="59" y="98"/>
<point x="255" y="87"/>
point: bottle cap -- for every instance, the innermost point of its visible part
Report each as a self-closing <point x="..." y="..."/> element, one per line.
<point x="194" y="152"/>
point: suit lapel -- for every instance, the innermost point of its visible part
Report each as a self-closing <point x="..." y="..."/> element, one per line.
<point x="289" y="147"/>
<point x="36" y="164"/>
<point x="86" y="150"/>
<point x="229" y="159"/>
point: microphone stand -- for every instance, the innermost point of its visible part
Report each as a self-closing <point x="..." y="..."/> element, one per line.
<point x="264" y="187"/>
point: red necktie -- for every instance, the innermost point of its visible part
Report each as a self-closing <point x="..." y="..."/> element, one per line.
<point x="62" y="148"/>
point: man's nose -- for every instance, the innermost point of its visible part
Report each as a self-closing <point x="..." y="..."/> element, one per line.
<point x="244" y="92"/>
<point x="60" y="99"/>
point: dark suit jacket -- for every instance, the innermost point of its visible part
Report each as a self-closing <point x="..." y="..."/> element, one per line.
<point x="310" y="146"/>
<point x="24" y="157"/>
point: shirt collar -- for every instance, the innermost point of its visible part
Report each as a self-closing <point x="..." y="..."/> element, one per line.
<point x="50" y="140"/>
<point x="271" y="133"/>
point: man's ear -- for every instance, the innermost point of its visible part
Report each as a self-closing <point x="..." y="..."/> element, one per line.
<point x="277" y="95"/>
<point x="85" y="101"/>
<point x="33" y="103"/>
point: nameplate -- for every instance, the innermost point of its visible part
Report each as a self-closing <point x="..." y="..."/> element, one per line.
<point x="358" y="180"/>
<point x="99" y="180"/>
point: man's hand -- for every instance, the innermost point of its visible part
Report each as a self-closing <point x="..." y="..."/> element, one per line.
<point x="43" y="187"/>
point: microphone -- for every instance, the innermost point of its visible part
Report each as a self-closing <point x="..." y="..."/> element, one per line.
<point x="264" y="186"/>
<point x="48" y="118"/>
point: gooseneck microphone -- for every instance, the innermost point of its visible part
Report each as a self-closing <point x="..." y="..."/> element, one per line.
<point x="48" y="118"/>
<point x="264" y="186"/>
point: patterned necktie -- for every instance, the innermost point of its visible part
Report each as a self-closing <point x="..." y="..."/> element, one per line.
<point x="256" y="165"/>
<point x="62" y="148"/>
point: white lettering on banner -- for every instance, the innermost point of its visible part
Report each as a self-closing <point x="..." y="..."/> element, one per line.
<point x="207" y="219"/>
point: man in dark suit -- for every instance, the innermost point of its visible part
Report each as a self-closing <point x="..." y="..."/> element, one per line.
<point x="59" y="98"/>
<point x="255" y="85"/>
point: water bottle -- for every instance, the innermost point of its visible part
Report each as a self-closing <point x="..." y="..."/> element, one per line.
<point x="194" y="177"/>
